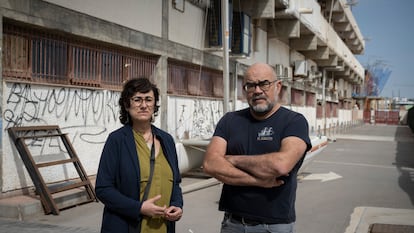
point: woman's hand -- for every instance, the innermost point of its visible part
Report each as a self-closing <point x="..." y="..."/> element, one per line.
<point x="149" y="208"/>
<point x="173" y="213"/>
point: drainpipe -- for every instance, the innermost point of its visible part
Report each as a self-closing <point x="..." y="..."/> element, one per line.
<point x="225" y="39"/>
<point x="324" y="100"/>
<point x="235" y="80"/>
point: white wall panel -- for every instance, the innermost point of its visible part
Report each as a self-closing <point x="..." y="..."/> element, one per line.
<point x="188" y="27"/>
<point x="140" y="15"/>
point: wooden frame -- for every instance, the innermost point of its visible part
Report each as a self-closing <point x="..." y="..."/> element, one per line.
<point x="20" y="135"/>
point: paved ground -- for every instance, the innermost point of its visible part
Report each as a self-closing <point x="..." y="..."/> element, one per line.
<point x="365" y="177"/>
<point x="375" y="174"/>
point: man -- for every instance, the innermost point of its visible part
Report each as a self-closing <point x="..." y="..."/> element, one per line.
<point x="256" y="152"/>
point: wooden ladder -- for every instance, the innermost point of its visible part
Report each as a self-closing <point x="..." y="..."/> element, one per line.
<point x="25" y="138"/>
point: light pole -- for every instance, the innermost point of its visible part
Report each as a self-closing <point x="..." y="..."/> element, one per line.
<point x="324" y="100"/>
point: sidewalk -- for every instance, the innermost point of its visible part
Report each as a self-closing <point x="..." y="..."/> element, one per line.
<point x="394" y="133"/>
<point x="364" y="178"/>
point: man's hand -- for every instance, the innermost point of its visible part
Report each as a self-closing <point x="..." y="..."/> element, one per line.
<point x="270" y="182"/>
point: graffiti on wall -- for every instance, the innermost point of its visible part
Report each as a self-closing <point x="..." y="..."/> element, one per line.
<point x="71" y="108"/>
<point x="86" y="116"/>
<point x="193" y="118"/>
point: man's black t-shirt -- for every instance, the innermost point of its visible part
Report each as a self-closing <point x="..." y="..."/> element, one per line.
<point x="248" y="136"/>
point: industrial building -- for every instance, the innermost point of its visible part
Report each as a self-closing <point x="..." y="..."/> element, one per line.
<point x="64" y="63"/>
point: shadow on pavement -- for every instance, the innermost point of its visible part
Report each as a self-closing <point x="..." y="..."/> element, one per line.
<point x="404" y="160"/>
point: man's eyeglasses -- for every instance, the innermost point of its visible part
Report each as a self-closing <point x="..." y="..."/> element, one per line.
<point x="137" y="100"/>
<point x="263" y="85"/>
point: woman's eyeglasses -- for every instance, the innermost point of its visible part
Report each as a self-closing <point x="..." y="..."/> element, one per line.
<point x="263" y="85"/>
<point x="138" y="100"/>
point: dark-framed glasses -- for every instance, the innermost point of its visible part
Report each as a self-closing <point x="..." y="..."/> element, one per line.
<point x="263" y="85"/>
<point x="138" y="100"/>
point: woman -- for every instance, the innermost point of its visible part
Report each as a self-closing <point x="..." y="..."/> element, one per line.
<point x="124" y="168"/>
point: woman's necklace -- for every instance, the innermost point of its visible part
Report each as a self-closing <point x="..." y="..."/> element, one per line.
<point x="147" y="138"/>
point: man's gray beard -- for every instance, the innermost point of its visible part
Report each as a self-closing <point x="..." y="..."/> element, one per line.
<point x="261" y="111"/>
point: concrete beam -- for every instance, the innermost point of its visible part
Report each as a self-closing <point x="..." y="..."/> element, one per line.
<point x="346" y="72"/>
<point x="258" y="9"/>
<point x="349" y="34"/>
<point x="354" y="81"/>
<point x="322" y="52"/>
<point x="354" y="42"/>
<point x="356" y="49"/>
<point x="342" y="27"/>
<point x="284" y="28"/>
<point x="350" y="78"/>
<point x="339" y="76"/>
<point x="337" y="7"/>
<point x="339" y="17"/>
<point x="331" y="61"/>
<point x="305" y="42"/>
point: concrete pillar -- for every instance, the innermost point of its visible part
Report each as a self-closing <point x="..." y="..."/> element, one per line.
<point x="1" y="101"/>
<point x="161" y="80"/>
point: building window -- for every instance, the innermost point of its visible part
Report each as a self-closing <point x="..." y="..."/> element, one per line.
<point x="284" y="95"/>
<point x="240" y="94"/>
<point x="188" y="79"/>
<point x="40" y="56"/>
<point x="319" y="110"/>
<point x="16" y="62"/>
<point x="310" y="99"/>
<point x="297" y="97"/>
<point x="334" y="109"/>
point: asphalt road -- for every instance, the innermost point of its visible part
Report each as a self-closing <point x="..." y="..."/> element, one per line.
<point x="369" y="166"/>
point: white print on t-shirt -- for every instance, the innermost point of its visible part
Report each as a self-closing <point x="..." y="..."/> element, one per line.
<point x="266" y="134"/>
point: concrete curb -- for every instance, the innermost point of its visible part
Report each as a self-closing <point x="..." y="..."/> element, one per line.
<point x="363" y="217"/>
<point x="20" y="207"/>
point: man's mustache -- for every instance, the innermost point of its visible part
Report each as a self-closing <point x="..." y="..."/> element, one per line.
<point x="258" y="97"/>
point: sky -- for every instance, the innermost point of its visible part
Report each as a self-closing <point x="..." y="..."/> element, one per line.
<point x="388" y="29"/>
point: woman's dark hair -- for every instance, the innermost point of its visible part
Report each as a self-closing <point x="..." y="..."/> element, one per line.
<point x="132" y="86"/>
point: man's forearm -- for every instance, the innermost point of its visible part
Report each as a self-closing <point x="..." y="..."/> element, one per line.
<point x="227" y="173"/>
<point x="259" y="166"/>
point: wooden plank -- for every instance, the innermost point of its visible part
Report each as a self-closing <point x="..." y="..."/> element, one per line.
<point x="57" y="162"/>
<point x="40" y="136"/>
<point x="35" y="128"/>
<point x="68" y="187"/>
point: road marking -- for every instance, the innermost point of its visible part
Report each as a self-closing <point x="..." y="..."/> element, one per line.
<point x="366" y="137"/>
<point x="323" y="176"/>
<point x="355" y="164"/>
